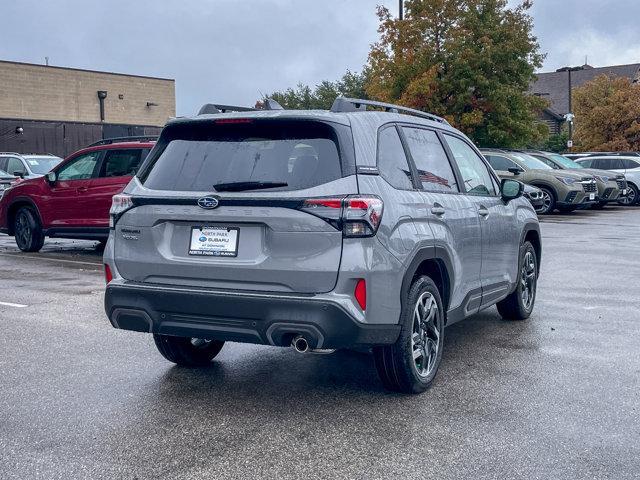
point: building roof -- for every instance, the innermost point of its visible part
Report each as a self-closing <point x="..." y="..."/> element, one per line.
<point x="554" y="86"/>
<point x="85" y="70"/>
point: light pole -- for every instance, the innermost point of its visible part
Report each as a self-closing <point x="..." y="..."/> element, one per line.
<point x="401" y="10"/>
<point x="569" y="116"/>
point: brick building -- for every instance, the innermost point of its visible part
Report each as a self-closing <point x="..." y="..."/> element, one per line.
<point x="46" y="109"/>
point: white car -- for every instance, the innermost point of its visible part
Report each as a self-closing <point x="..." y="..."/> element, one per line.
<point x="27" y="165"/>
<point x="630" y="166"/>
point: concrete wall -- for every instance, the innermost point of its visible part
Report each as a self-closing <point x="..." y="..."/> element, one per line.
<point x="38" y="92"/>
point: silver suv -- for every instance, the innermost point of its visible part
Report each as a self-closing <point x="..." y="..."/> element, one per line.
<point x="318" y="230"/>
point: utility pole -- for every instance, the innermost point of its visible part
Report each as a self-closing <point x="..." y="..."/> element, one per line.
<point x="401" y="10"/>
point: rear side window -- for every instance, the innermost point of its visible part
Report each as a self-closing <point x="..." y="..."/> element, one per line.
<point x="120" y="163"/>
<point x="245" y="155"/>
<point x="628" y="163"/>
<point x="392" y="161"/>
<point x="434" y="169"/>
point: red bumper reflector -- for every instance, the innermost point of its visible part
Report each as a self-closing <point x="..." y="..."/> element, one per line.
<point x="360" y="293"/>
<point x="108" y="276"/>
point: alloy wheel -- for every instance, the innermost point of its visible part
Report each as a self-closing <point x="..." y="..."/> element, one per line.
<point x="630" y="199"/>
<point x="200" y="342"/>
<point x="528" y="280"/>
<point x="425" y="339"/>
<point x="546" y="202"/>
<point x="22" y="230"/>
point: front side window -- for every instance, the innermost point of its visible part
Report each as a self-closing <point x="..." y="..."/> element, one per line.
<point x="475" y="174"/>
<point x="392" y="161"/>
<point x="120" y="163"/>
<point x="434" y="169"/>
<point x="80" y="168"/>
<point x="500" y="163"/>
<point x="14" y="165"/>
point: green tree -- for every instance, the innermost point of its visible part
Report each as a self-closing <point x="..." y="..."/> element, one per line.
<point x="607" y="115"/>
<point x="470" y="61"/>
<point x="303" y="97"/>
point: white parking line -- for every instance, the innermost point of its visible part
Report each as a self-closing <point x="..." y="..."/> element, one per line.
<point x="17" y="305"/>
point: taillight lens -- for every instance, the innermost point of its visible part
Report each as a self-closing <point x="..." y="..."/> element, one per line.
<point x="356" y="216"/>
<point x="360" y="293"/>
<point x="108" y="276"/>
<point x="361" y="216"/>
<point x="119" y="204"/>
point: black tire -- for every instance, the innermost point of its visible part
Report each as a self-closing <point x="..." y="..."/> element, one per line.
<point x="187" y="352"/>
<point x="632" y="197"/>
<point x="516" y="306"/>
<point x="28" y="230"/>
<point x="549" y="204"/>
<point x="397" y="366"/>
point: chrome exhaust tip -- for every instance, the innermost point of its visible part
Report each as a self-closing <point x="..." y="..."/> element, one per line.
<point x="300" y="344"/>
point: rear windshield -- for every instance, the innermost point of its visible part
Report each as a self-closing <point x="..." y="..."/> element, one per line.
<point x="263" y="155"/>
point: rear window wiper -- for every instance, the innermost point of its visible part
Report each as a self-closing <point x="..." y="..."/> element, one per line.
<point x="240" y="186"/>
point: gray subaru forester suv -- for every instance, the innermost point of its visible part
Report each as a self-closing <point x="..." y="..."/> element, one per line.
<point x="318" y="230"/>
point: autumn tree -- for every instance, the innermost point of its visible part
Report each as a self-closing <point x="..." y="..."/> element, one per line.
<point x="470" y="61"/>
<point x="303" y="97"/>
<point x="607" y="114"/>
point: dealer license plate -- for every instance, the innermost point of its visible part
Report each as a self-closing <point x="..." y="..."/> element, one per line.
<point x="592" y="196"/>
<point x="624" y="191"/>
<point x="214" y="241"/>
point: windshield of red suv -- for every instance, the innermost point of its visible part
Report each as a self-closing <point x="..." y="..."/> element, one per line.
<point x="40" y="164"/>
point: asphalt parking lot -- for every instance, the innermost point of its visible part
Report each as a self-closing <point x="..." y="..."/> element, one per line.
<point x="553" y="397"/>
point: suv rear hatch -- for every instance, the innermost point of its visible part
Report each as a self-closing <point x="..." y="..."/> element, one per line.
<point x="231" y="203"/>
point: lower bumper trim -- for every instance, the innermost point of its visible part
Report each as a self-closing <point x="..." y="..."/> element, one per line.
<point x="268" y="320"/>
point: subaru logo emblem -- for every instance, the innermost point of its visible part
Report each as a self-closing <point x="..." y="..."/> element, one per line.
<point x="208" y="202"/>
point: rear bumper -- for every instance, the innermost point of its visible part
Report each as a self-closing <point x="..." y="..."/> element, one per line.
<point x="239" y="317"/>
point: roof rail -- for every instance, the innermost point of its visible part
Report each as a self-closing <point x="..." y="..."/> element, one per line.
<point x="140" y="138"/>
<point x="213" y="108"/>
<point x="343" y="104"/>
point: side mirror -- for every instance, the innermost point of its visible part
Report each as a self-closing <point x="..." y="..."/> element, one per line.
<point x="51" y="177"/>
<point x="516" y="170"/>
<point x="18" y="174"/>
<point x="511" y="189"/>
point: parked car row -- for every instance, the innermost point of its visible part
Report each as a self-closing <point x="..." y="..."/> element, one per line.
<point x="567" y="185"/>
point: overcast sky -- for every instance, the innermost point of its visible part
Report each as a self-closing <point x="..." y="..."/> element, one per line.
<point x="230" y="51"/>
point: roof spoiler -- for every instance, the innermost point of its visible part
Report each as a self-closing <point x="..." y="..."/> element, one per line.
<point x="214" y="108"/>
<point x="344" y="104"/>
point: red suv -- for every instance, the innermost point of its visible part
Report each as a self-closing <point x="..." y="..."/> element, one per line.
<point x="73" y="200"/>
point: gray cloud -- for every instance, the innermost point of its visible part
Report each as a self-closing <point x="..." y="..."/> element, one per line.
<point x="231" y="50"/>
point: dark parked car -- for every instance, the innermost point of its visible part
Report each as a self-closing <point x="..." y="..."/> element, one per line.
<point x="73" y="200"/>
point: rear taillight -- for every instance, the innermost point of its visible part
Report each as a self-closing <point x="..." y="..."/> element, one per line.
<point x="108" y="276"/>
<point x="360" y="293"/>
<point x="356" y="216"/>
<point x="119" y="204"/>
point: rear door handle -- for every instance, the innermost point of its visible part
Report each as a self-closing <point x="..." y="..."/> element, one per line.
<point x="437" y="210"/>
<point x="483" y="212"/>
<point x="82" y="189"/>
